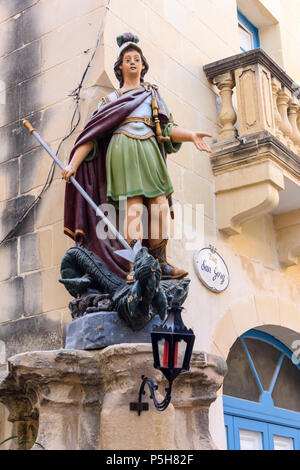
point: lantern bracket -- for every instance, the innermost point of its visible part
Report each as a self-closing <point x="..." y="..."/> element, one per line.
<point x="140" y="406"/>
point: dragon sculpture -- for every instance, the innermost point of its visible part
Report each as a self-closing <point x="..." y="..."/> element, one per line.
<point x="95" y="288"/>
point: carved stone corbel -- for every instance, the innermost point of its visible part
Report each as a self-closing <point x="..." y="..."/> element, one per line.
<point x="287" y="228"/>
<point x="246" y="192"/>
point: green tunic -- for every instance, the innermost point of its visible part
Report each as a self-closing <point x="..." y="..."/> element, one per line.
<point x="136" y="167"/>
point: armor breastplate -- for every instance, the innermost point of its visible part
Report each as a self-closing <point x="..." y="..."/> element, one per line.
<point x="138" y="129"/>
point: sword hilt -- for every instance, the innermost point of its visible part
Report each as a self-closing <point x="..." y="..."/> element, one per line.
<point x="28" y="126"/>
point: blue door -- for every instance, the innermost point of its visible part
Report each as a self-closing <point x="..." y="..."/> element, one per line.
<point x="262" y="395"/>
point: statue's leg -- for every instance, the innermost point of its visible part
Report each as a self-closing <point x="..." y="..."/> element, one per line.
<point x="133" y="228"/>
<point x="158" y="210"/>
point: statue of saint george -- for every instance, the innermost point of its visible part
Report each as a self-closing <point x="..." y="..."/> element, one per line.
<point x="120" y="156"/>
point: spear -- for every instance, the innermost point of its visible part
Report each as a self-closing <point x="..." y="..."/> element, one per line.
<point x="128" y="253"/>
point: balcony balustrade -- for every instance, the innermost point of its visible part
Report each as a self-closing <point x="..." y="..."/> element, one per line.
<point x="267" y="99"/>
<point x="256" y="157"/>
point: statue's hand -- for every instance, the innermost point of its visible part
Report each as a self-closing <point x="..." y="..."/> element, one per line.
<point x="198" y="141"/>
<point x="67" y="172"/>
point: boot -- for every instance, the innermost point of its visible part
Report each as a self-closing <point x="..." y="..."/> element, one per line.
<point x="168" y="271"/>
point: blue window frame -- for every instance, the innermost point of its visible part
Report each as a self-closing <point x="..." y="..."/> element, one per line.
<point x="251" y="29"/>
<point x="262" y="417"/>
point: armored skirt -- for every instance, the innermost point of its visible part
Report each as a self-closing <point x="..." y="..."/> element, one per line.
<point x="135" y="167"/>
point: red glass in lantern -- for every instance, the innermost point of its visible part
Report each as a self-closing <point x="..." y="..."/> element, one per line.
<point x="176" y="354"/>
<point x="166" y="354"/>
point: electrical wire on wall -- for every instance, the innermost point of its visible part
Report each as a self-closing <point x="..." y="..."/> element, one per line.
<point x="75" y="94"/>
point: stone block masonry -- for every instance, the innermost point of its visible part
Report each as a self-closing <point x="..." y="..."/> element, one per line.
<point x="30" y="315"/>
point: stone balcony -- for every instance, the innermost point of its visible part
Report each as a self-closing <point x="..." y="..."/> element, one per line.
<point x="256" y="159"/>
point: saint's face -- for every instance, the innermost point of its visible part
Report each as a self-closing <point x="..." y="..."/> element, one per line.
<point x="132" y="65"/>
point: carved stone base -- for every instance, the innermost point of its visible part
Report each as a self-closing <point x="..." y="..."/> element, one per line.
<point x="69" y="399"/>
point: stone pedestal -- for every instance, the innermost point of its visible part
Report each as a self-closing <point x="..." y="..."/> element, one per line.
<point x="74" y="399"/>
<point x="101" y="329"/>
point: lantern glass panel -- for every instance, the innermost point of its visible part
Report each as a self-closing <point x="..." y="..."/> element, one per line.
<point x="163" y="351"/>
<point x="179" y="353"/>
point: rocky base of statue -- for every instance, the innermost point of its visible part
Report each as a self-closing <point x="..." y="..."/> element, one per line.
<point x="96" y="288"/>
<point x="79" y="400"/>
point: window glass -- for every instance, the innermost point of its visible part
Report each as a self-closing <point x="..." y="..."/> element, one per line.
<point x="258" y="361"/>
<point x="250" y="440"/>
<point x="246" y="38"/>
<point x="265" y="358"/>
<point x="240" y="381"/>
<point x="286" y="390"/>
<point x="248" y="33"/>
<point x="283" y="443"/>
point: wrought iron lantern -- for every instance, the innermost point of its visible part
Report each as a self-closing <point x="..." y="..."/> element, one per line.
<point x="172" y="345"/>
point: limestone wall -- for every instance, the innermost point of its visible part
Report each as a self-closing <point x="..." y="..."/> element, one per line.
<point x="42" y="59"/>
<point x="44" y="48"/>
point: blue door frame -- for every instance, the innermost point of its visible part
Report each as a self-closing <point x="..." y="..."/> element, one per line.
<point x="263" y="417"/>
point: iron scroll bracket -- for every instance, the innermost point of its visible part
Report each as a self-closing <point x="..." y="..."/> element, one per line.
<point x="160" y="406"/>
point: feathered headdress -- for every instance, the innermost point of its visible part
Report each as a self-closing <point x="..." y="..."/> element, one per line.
<point x="126" y="41"/>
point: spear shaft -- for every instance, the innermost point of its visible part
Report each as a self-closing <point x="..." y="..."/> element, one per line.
<point x="84" y="194"/>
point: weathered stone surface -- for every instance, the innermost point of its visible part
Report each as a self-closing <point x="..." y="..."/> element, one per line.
<point x="32" y="294"/>
<point x="10" y="111"/>
<point x="35" y="251"/>
<point x="102" y="329"/>
<point x="16" y="139"/>
<point x="34" y="168"/>
<point x="193" y="394"/>
<point x="9" y="260"/>
<point x="5" y="427"/>
<point x="80" y="399"/>
<point x="9" y="180"/>
<point x="45" y="215"/>
<point x="48" y="16"/>
<point x="29" y="252"/>
<point x="11" y="300"/>
<point x="16" y="6"/>
<point x="11" y="141"/>
<point x="54" y="296"/>
<point x="42" y="89"/>
<point x="10" y="35"/>
<point x="42" y="332"/>
<point x="12" y="213"/>
<point x="30" y="56"/>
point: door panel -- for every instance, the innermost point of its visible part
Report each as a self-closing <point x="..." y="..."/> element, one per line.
<point x="248" y="432"/>
<point x="283" y="443"/>
<point x="250" y="440"/>
<point x="284" y="438"/>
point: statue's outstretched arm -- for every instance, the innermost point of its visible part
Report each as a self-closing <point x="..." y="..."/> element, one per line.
<point x="179" y="134"/>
